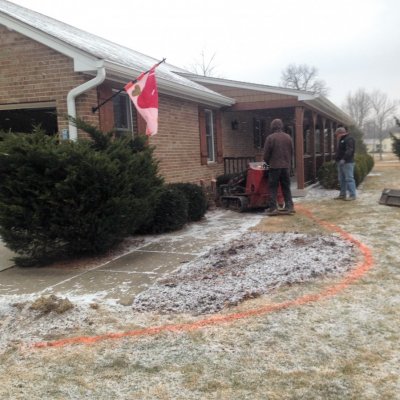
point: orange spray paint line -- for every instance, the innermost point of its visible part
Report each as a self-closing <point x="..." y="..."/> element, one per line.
<point x="361" y="268"/>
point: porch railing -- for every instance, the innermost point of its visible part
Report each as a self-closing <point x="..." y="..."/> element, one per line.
<point x="233" y="165"/>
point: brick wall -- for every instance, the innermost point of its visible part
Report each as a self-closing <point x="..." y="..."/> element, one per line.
<point x="240" y="142"/>
<point x="178" y="142"/>
<point x="32" y="72"/>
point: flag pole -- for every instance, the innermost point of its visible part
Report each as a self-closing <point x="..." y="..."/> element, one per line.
<point x="94" y="109"/>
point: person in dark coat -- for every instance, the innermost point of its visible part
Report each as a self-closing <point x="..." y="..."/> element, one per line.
<point x="278" y="153"/>
<point x="345" y="164"/>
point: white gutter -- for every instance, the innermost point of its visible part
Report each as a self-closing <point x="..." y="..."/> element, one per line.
<point x="75" y="92"/>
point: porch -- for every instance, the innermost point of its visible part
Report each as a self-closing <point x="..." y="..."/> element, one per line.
<point x="309" y="118"/>
<point x="312" y="134"/>
<point x="234" y="165"/>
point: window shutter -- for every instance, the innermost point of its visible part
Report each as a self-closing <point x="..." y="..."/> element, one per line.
<point x="106" y="113"/>
<point x="203" y="138"/>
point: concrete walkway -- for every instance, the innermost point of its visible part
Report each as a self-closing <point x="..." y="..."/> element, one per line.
<point x="5" y="257"/>
<point x="121" y="279"/>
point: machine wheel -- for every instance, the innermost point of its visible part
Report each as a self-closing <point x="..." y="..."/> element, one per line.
<point x="242" y="203"/>
<point x="235" y="203"/>
<point x="225" y="203"/>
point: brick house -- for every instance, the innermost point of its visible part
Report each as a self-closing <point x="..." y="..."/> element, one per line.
<point x="310" y="119"/>
<point x="50" y="69"/>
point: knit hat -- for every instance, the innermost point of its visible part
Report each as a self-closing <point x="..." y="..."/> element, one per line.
<point x="340" y="131"/>
<point x="276" y="125"/>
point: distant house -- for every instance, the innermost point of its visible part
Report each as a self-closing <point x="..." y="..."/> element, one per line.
<point x="374" y="146"/>
<point x="50" y="69"/>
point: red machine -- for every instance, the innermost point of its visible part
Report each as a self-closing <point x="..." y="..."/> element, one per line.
<point x="249" y="190"/>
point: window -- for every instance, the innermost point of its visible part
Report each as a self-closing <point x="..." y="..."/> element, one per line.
<point x="27" y="117"/>
<point x="210" y="132"/>
<point x="124" y="120"/>
<point x="259" y="133"/>
<point x="209" y="120"/>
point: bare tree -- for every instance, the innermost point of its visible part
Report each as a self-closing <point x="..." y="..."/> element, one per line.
<point x="303" y="77"/>
<point x="204" y="66"/>
<point x="383" y="110"/>
<point x="358" y="106"/>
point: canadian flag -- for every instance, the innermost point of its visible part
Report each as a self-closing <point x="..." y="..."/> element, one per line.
<point x="144" y="95"/>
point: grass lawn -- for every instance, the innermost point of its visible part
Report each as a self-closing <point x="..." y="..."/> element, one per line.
<point x="342" y="347"/>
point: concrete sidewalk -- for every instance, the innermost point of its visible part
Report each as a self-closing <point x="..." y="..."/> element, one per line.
<point x="129" y="274"/>
<point x="5" y="257"/>
<point x="122" y="278"/>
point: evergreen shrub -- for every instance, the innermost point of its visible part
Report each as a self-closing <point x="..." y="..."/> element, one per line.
<point x="196" y="199"/>
<point x="136" y="162"/>
<point x="327" y="175"/>
<point x="170" y="211"/>
<point x="370" y="162"/>
<point x="395" y="145"/>
<point x="61" y="199"/>
<point x="396" y="140"/>
<point x="360" y="168"/>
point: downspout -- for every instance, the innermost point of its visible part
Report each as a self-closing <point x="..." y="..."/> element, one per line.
<point x="75" y="92"/>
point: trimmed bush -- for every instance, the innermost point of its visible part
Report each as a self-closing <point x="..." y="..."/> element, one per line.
<point x="196" y="199"/>
<point x="136" y="162"/>
<point x="370" y="162"/>
<point x="360" y="168"/>
<point x="327" y="173"/>
<point x="72" y="198"/>
<point x="58" y="199"/>
<point x="328" y="176"/>
<point x="170" y="211"/>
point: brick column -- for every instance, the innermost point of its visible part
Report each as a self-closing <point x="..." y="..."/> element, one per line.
<point x="324" y="139"/>
<point x="313" y="150"/>
<point x="299" y="147"/>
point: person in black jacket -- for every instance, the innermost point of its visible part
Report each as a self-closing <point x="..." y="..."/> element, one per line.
<point x="345" y="164"/>
<point x="278" y="152"/>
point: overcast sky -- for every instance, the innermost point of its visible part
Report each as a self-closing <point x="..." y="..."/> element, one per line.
<point x="353" y="43"/>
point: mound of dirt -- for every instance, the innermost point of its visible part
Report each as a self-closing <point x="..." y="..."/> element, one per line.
<point x="45" y="305"/>
<point x="244" y="268"/>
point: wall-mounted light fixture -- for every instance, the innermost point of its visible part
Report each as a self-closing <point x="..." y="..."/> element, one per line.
<point x="235" y="124"/>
